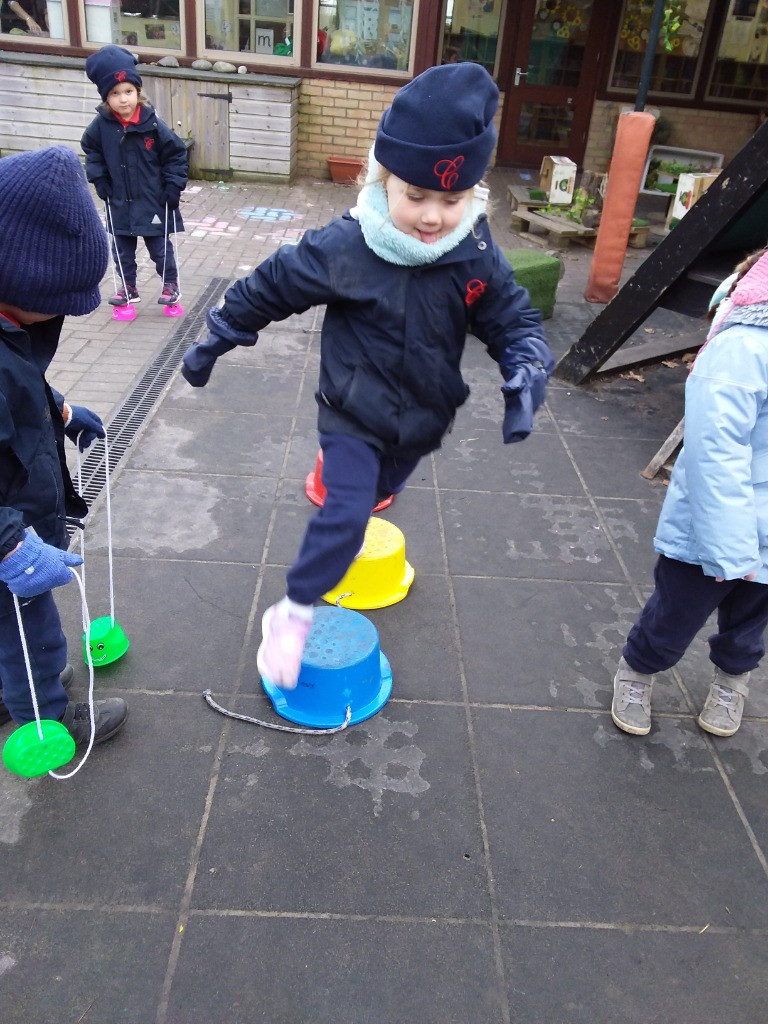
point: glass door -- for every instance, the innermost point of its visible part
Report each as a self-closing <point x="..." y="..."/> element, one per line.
<point x="551" y="90"/>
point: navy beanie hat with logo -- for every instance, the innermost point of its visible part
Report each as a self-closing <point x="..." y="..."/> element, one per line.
<point x="54" y="245"/>
<point x="439" y="132"/>
<point x="111" y="66"/>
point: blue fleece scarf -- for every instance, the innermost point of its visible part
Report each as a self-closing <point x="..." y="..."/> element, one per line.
<point x="393" y="245"/>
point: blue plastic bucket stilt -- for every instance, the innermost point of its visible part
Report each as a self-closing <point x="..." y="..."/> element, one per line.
<point x="343" y="666"/>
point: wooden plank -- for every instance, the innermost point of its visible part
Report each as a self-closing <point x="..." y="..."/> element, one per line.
<point x="739" y="185"/>
<point x="652" y="352"/>
<point x="519" y="198"/>
<point x="280" y="141"/>
<point x="278" y="111"/>
<point x="668" y="449"/>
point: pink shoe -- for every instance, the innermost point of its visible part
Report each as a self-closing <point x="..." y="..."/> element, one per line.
<point x="283" y="638"/>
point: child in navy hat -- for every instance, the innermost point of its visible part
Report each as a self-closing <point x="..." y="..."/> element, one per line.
<point x="405" y="275"/>
<point x="139" y="167"/>
<point x="54" y="254"/>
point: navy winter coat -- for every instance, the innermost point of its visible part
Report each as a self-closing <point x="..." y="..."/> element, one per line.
<point x="35" y="488"/>
<point x="138" y="161"/>
<point x="393" y="336"/>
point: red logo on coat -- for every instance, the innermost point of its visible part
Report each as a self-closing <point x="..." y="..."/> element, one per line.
<point x="475" y="290"/>
<point x="148" y="143"/>
<point x="447" y="171"/>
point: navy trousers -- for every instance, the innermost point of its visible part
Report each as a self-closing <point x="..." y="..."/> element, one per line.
<point x="356" y="477"/>
<point x="47" y="649"/>
<point x="680" y="605"/>
<point x="160" y="251"/>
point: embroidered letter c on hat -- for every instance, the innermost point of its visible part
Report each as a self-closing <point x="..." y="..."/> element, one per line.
<point x="111" y="66"/>
<point x="439" y="132"/>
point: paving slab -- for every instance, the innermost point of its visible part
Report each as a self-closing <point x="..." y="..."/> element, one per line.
<point x="488" y="847"/>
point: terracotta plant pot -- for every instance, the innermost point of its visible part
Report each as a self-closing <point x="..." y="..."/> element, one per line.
<point x="344" y="169"/>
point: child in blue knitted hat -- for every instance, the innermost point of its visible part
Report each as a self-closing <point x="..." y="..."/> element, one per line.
<point x="54" y="254"/>
<point x="404" y="276"/>
<point x="139" y="167"/>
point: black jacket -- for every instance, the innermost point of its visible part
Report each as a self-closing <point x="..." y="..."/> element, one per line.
<point x="393" y="336"/>
<point x="138" y="162"/>
<point x="35" y="487"/>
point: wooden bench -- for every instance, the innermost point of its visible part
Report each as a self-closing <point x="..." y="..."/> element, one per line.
<point x="520" y="199"/>
<point x="560" y="232"/>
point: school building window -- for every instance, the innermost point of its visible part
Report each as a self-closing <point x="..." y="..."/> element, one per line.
<point x="740" y="72"/>
<point x="136" y="24"/>
<point x="676" y="59"/>
<point x="707" y="51"/>
<point x="471" y="30"/>
<point x="367" y="34"/>
<point x="260" y="30"/>
<point x="36" y="20"/>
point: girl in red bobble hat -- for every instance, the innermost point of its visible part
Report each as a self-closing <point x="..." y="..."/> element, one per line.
<point x="139" y="167"/>
<point x="404" y="276"/>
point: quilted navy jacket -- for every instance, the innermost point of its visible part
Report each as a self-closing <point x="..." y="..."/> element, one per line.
<point x="138" y="160"/>
<point x="393" y="336"/>
<point x="35" y="489"/>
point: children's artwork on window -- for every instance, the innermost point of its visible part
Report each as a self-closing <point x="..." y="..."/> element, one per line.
<point x="155" y="31"/>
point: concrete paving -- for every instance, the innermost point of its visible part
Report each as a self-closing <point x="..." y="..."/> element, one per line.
<point x="488" y="848"/>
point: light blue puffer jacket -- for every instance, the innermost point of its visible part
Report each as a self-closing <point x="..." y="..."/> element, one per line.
<point x="715" y="513"/>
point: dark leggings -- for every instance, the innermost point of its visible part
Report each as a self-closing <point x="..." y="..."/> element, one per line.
<point x="160" y="252"/>
<point x="47" y="650"/>
<point x="680" y="605"/>
<point x="355" y="476"/>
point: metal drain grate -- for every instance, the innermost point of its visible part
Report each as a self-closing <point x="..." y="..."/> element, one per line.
<point x="125" y="424"/>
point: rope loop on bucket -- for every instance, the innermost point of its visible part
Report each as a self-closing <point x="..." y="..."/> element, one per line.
<point x="273" y="725"/>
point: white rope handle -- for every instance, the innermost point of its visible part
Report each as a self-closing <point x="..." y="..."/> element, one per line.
<point x="109" y="533"/>
<point x="115" y="251"/>
<point x="167" y="241"/>
<point x="109" y="522"/>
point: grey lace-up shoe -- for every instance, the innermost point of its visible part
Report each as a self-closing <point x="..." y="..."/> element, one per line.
<point x="109" y="716"/>
<point x="724" y="706"/>
<point x="631" y="707"/>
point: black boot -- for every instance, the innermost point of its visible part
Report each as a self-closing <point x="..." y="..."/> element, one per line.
<point x="66" y="681"/>
<point x="109" y="716"/>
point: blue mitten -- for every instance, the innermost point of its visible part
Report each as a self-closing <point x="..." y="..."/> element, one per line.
<point x="36" y="567"/>
<point x="84" y="423"/>
<point x="523" y="394"/>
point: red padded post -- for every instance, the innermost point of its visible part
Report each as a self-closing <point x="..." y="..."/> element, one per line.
<point x="633" y="137"/>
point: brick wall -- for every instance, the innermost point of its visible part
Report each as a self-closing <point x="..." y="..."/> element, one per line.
<point x="340" y="119"/>
<point x="337" y="119"/>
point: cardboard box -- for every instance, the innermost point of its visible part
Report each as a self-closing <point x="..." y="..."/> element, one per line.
<point x="690" y="187"/>
<point x="558" y="178"/>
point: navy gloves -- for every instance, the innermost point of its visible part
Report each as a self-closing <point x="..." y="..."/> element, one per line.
<point x="199" y="360"/>
<point x="523" y="394"/>
<point x="103" y="188"/>
<point x="171" y="196"/>
<point x="36" y="567"/>
<point x="84" y="423"/>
